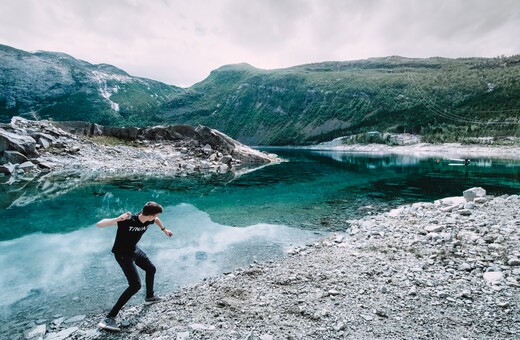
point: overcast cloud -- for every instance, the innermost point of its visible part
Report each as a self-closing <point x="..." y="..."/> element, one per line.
<point x="180" y="41"/>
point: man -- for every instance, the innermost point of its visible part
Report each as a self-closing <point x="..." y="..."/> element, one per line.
<point x="130" y="228"/>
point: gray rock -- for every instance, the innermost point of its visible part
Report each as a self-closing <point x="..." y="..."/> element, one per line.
<point x="28" y="166"/>
<point x="14" y="157"/>
<point x="473" y="193"/>
<point x="62" y="335"/>
<point x="24" y="144"/>
<point x="226" y="159"/>
<point x="434" y="228"/>
<point x="513" y="262"/>
<point x="37" y="332"/>
<point x="183" y="335"/>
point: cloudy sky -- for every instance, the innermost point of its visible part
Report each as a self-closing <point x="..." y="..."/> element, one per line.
<point x="180" y="41"/>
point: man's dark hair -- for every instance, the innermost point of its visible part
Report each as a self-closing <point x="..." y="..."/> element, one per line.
<point x="152" y="208"/>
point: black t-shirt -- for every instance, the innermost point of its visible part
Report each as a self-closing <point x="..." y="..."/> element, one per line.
<point x="129" y="232"/>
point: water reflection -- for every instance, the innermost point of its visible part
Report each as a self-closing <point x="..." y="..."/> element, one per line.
<point x="74" y="273"/>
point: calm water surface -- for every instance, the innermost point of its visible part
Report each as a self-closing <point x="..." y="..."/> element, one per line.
<point x="55" y="262"/>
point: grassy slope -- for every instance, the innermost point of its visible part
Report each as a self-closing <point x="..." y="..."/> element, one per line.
<point x="444" y="99"/>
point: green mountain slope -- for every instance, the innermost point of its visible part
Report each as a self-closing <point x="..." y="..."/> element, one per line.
<point x="443" y="99"/>
<point x="60" y="87"/>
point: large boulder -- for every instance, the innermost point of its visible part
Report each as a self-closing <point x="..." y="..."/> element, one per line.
<point x="17" y="142"/>
<point x="471" y="194"/>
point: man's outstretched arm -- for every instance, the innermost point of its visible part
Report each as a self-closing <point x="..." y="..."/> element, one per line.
<point x="112" y="221"/>
<point x="163" y="228"/>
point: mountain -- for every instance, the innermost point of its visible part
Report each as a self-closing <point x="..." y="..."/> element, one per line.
<point x="443" y="99"/>
<point x="57" y="86"/>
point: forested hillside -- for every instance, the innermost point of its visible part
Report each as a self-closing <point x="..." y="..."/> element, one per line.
<point x="442" y="99"/>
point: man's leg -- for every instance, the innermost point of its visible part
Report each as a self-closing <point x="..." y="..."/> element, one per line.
<point x="143" y="262"/>
<point x="134" y="283"/>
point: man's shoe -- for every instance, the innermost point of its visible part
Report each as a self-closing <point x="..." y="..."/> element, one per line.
<point x="109" y="324"/>
<point x="153" y="299"/>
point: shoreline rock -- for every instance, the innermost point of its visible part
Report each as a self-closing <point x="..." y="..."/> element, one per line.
<point x="388" y="276"/>
<point x="57" y="160"/>
<point x="178" y="148"/>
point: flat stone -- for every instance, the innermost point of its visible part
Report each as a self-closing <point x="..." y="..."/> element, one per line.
<point x="37" y="332"/>
<point x="183" y="335"/>
<point x="434" y="228"/>
<point x="465" y="212"/>
<point x="493" y="277"/>
<point x="62" y="335"/>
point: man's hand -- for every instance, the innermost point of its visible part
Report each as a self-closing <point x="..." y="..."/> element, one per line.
<point x="168" y="233"/>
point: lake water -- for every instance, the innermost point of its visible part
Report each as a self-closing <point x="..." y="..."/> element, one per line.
<point x="54" y="261"/>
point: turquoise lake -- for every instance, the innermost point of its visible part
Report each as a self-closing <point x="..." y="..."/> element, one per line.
<point x="54" y="261"/>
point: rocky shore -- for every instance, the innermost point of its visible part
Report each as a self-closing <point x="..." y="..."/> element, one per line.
<point x="448" y="269"/>
<point x="412" y="145"/>
<point x="57" y="157"/>
<point x="29" y="147"/>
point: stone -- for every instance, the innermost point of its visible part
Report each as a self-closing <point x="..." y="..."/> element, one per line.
<point x="24" y="144"/>
<point x="480" y="200"/>
<point x="183" y="335"/>
<point x="200" y="327"/>
<point x="207" y="149"/>
<point x="28" y="166"/>
<point x="434" y="228"/>
<point x="513" y="262"/>
<point x="62" y="335"/>
<point x="266" y="337"/>
<point x="469" y="205"/>
<point x="493" y="277"/>
<point x="14" y="157"/>
<point x="465" y="267"/>
<point x="450" y="201"/>
<point x="37" y="332"/>
<point x="7" y="169"/>
<point x="471" y="194"/>
<point x="226" y="160"/>
<point x="465" y="212"/>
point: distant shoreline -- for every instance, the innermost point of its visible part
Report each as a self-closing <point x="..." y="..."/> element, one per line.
<point x="424" y="150"/>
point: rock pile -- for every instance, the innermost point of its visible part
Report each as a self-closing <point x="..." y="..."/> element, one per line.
<point x="31" y="146"/>
<point x="442" y="270"/>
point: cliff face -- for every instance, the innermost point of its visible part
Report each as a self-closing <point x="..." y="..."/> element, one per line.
<point x="57" y="86"/>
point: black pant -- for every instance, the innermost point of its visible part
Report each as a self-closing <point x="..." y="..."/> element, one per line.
<point x="128" y="265"/>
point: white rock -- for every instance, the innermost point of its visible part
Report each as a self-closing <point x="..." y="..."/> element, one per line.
<point x="266" y="337"/>
<point x="183" y="335"/>
<point x="451" y="201"/>
<point x="64" y="334"/>
<point x="434" y="228"/>
<point x="36" y="333"/>
<point x="471" y="194"/>
<point x="493" y="277"/>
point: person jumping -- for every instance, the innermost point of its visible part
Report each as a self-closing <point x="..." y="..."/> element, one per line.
<point x="130" y="228"/>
